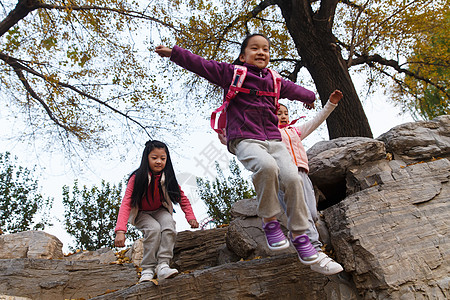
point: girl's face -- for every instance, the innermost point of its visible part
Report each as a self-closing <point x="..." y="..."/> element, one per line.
<point x="283" y="115"/>
<point x="157" y="160"/>
<point x="257" y="52"/>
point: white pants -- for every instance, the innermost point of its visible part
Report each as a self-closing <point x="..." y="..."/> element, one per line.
<point x="273" y="169"/>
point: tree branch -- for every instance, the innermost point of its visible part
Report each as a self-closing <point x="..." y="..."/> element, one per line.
<point x="18" y="66"/>
<point x="292" y="76"/>
<point x="128" y="13"/>
<point x="366" y="59"/>
<point x="33" y="94"/>
<point x="326" y="13"/>
<point x="256" y="10"/>
<point x="22" y="9"/>
<point x="351" y="4"/>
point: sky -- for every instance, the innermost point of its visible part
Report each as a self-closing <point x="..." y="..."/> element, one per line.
<point x="194" y="158"/>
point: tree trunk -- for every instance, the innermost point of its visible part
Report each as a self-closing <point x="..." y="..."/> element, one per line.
<point x="315" y="42"/>
<point x="22" y="9"/>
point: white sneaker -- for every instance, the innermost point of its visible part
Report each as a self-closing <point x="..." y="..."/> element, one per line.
<point x="326" y="265"/>
<point x="163" y="271"/>
<point x="147" y="275"/>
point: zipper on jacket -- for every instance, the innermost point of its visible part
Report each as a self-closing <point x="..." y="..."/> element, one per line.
<point x="292" y="148"/>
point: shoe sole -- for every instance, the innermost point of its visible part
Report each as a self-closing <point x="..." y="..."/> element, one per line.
<point x="328" y="273"/>
<point x="308" y="262"/>
<point x="145" y="280"/>
<point x="169" y="276"/>
<point x="285" y="246"/>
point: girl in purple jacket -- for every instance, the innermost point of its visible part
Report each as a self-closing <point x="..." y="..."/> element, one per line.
<point x="253" y="136"/>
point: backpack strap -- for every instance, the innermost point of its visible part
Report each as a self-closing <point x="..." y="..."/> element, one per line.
<point x="276" y="88"/>
<point x="240" y="72"/>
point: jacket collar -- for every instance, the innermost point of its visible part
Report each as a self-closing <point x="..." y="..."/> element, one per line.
<point x="255" y="70"/>
<point x="162" y="178"/>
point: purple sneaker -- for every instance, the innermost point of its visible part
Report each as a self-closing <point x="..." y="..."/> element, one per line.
<point x="276" y="240"/>
<point x="307" y="254"/>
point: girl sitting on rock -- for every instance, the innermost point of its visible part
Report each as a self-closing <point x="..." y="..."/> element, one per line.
<point x="148" y="204"/>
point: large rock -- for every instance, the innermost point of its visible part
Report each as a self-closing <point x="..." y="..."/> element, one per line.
<point x="103" y="255"/>
<point x="330" y="161"/>
<point x="280" y="277"/>
<point x="393" y="237"/>
<point x="198" y="249"/>
<point x="385" y="204"/>
<point x="44" y="279"/>
<point x="193" y="249"/>
<point x="418" y="141"/>
<point x="245" y="236"/>
<point x="30" y="244"/>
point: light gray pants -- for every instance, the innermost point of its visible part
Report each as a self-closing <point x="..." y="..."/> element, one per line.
<point x="159" y="232"/>
<point x="273" y="169"/>
<point x="310" y="199"/>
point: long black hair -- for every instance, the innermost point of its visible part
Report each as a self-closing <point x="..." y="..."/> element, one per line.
<point x="141" y="180"/>
<point x="245" y="44"/>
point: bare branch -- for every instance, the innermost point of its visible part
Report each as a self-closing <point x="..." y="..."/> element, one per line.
<point x="352" y="4"/>
<point x="256" y="10"/>
<point x="292" y="76"/>
<point x="24" y="7"/>
<point x="365" y="59"/>
<point x="33" y="94"/>
<point x="352" y="43"/>
<point x="19" y="66"/>
<point x="128" y="13"/>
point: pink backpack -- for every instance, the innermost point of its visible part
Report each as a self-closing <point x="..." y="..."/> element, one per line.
<point x="240" y="72"/>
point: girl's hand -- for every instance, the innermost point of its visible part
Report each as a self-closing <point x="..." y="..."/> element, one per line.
<point x="223" y="137"/>
<point x="193" y="223"/>
<point x="336" y="96"/>
<point x="163" y="51"/>
<point x="309" y="105"/>
<point x="120" y="239"/>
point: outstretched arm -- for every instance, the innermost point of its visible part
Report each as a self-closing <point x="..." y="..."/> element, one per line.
<point x="322" y="115"/>
<point x="336" y="96"/>
<point x="163" y="51"/>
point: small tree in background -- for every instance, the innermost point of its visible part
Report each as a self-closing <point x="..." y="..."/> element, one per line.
<point x="22" y="206"/>
<point x="220" y="194"/>
<point x="91" y="214"/>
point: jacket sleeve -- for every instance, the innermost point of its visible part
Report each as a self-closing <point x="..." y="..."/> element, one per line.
<point x="308" y="127"/>
<point x="292" y="91"/>
<point x="186" y="207"/>
<point x="217" y="73"/>
<point x="125" y="207"/>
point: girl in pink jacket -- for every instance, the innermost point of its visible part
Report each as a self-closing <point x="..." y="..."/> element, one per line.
<point x="148" y="204"/>
<point x="292" y="138"/>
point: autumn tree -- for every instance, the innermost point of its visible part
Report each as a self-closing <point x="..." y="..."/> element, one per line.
<point x="22" y="206"/>
<point x="74" y="68"/>
<point x="423" y="98"/>
<point x="332" y="39"/>
<point x="90" y="215"/>
<point x="78" y="72"/>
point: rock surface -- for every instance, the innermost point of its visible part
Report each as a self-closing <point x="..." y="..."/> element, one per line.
<point x="395" y="240"/>
<point x="30" y="244"/>
<point x="104" y="256"/>
<point x="385" y="214"/>
<point x="47" y="279"/>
